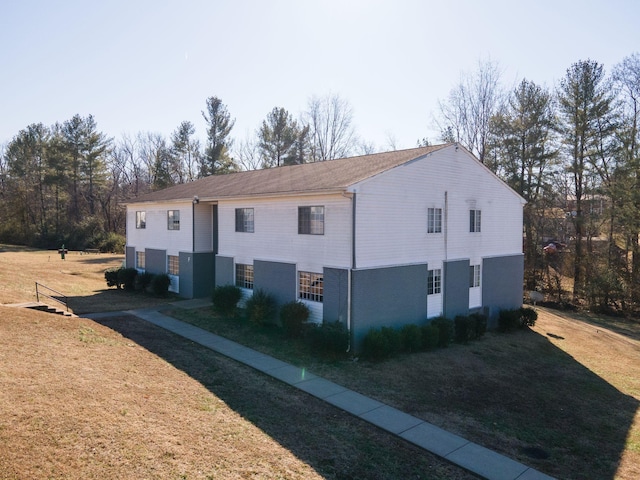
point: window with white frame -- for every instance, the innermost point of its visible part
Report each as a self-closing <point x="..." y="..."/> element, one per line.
<point x="141" y="219"/>
<point x="311" y="220"/>
<point x="310" y="286"/>
<point x="244" y="276"/>
<point x="434" y="220"/>
<point x="474" y="276"/>
<point x="140" y="260"/>
<point x="434" y="281"/>
<point x="173" y="219"/>
<point x="173" y="264"/>
<point x="475" y="217"/>
<point x="244" y="220"/>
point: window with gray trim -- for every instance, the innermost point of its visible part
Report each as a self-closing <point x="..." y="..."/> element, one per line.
<point x="141" y="219"/>
<point x="310" y="286"/>
<point x="173" y="219"/>
<point x="140" y="260"/>
<point x="434" y="281"/>
<point x="173" y="264"/>
<point x="434" y="220"/>
<point x="474" y="276"/>
<point x="244" y="220"/>
<point x="475" y="217"/>
<point x="244" y="276"/>
<point x="311" y="220"/>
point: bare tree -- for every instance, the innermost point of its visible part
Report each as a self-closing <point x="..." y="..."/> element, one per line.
<point x="330" y="120"/>
<point x="156" y="156"/>
<point x="465" y="116"/>
<point x="366" y="148"/>
<point x="248" y="156"/>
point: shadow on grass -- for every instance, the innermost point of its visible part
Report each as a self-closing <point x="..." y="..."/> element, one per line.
<point x="113" y="300"/>
<point x="332" y="442"/>
<point x="533" y="401"/>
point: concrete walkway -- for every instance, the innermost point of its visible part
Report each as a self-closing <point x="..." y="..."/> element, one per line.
<point x="455" y="449"/>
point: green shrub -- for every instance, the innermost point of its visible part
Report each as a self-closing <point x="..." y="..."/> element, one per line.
<point x="464" y="328"/>
<point x="330" y="337"/>
<point x="160" y="284"/>
<point x="394" y="340"/>
<point x="261" y="308"/>
<point x="111" y="276"/>
<point x="481" y="321"/>
<point x="113" y="243"/>
<point x="225" y="299"/>
<point x="376" y="345"/>
<point x="127" y="278"/>
<point x="430" y="336"/>
<point x="293" y="316"/>
<point x="509" y="319"/>
<point x="529" y="316"/>
<point x="445" y="331"/>
<point x="143" y="280"/>
<point x="411" y="338"/>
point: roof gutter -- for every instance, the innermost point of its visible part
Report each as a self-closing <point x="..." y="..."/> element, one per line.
<point x="251" y="196"/>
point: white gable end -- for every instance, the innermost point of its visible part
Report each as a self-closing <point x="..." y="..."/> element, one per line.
<point x="392" y="210"/>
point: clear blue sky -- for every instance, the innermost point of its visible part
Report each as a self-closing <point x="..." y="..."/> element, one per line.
<point x="139" y="65"/>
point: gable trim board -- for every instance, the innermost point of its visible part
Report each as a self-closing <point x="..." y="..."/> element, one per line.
<point x="375" y="250"/>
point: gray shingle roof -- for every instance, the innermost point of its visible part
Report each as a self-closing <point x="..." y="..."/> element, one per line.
<point x="330" y="175"/>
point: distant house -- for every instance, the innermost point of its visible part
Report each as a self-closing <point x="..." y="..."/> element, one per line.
<point x="384" y="239"/>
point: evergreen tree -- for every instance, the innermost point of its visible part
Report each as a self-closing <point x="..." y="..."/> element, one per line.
<point x="216" y="158"/>
<point x="626" y="76"/>
<point x="277" y="139"/>
<point x="584" y="99"/>
<point x="525" y="151"/>
<point x="185" y="150"/>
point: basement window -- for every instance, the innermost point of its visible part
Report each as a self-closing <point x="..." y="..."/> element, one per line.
<point x="244" y="276"/>
<point x="311" y="286"/>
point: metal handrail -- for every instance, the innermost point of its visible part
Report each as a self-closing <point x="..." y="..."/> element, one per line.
<point x="38" y="293"/>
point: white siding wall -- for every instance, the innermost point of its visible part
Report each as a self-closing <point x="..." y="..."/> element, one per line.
<point x="276" y="238"/>
<point x="392" y="213"/>
<point x="156" y="234"/>
<point x="315" y="311"/>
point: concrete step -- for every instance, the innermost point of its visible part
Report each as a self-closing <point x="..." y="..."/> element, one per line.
<point x="43" y="307"/>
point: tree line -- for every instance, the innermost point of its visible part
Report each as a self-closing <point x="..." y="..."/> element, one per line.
<point x="572" y="153"/>
<point x="570" y="150"/>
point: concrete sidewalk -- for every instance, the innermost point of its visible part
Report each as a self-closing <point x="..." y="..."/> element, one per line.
<point x="455" y="449"/>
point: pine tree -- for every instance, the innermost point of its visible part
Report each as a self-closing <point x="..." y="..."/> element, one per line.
<point x="216" y="158"/>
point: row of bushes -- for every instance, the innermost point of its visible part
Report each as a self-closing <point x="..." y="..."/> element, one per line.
<point x="130" y="279"/>
<point x="262" y="309"/>
<point x="387" y="342"/>
<point x="509" y="320"/>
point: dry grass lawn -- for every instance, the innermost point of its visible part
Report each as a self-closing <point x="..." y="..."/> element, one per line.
<point x="562" y="397"/>
<point x="125" y="399"/>
<point x="79" y="276"/>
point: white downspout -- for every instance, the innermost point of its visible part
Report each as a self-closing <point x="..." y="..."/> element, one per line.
<point x="446" y="223"/>
<point x="352" y="196"/>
